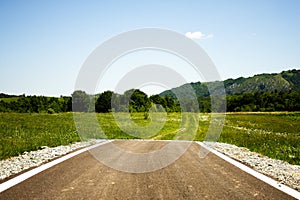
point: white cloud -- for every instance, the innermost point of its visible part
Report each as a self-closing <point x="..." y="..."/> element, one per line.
<point x="198" y="35"/>
<point x="194" y="35"/>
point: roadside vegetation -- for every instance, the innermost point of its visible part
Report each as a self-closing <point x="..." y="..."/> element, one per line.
<point x="276" y="135"/>
<point x="25" y="132"/>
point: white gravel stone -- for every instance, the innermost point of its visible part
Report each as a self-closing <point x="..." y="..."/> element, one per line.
<point x="30" y="159"/>
<point x="282" y="171"/>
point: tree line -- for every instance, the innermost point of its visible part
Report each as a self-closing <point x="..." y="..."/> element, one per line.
<point x="137" y="101"/>
<point x="35" y="104"/>
<point x="131" y="101"/>
<point x="267" y="101"/>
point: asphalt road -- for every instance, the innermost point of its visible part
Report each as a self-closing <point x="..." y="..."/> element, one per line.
<point x="189" y="177"/>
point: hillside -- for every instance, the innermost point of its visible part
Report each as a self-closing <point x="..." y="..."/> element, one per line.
<point x="285" y="81"/>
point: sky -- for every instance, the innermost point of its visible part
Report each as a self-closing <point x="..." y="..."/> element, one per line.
<point x="43" y="44"/>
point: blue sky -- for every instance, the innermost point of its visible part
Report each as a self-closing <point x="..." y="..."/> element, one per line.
<point x="43" y="44"/>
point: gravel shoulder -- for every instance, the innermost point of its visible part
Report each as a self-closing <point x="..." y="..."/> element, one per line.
<point x="279" y="170"/>
<point x="17" y="164"/>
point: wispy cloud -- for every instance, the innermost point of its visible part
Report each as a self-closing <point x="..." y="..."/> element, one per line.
<point x="198" y="35"/>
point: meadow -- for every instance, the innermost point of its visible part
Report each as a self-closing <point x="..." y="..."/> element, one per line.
<point x="276" y="135"/>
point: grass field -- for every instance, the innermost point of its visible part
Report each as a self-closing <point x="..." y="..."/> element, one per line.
<point x="21" y="132"/>
<point x="276" y="135"/>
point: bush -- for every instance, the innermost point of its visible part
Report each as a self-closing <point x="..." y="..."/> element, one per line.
<point x="50" y="111"/>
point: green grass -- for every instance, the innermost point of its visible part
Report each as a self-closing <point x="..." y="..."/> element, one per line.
<point x="274" y="135"/>
<point x="21" y="132"/>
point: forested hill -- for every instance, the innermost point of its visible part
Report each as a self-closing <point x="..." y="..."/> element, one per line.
<point x="286" y="81"/>
<point x="263" y="92"/>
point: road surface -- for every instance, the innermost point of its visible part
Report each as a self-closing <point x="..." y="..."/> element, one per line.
<point x="189" y="177"/>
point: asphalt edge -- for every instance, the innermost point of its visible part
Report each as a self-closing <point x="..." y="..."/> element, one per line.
<point x="262" y="177"/>
<point x="22" y="177"/>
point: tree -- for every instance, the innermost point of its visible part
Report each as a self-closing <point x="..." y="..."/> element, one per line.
<point x="158" y="101"/>
<point x="139" y="101"/>
<point x="65" y="103"/>
<point x="103" y="102"/>
<point x="80" y="101"/>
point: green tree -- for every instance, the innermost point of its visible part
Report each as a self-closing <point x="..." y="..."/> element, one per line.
<point x="80" y="101"/>
<point x="103" y="102"/>
<point x="139" y="101"/>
